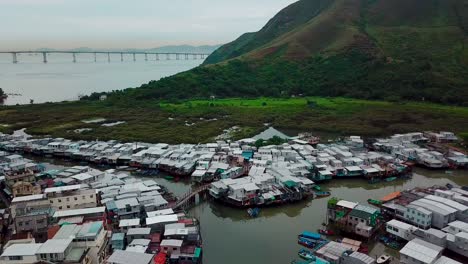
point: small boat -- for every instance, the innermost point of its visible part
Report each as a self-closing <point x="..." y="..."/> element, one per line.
<point x="374" y="202"/>
<point x="383" y="259"/>
<point x="322" y="194"/>
<point x="168" y="177"/>
<point x="374" y="180"/>
<point x="317" y="188"/>
<point x="306" y="254"/>
<point x="326" y="232"/>
<point x="390" y="179"/>
<point x="253" y="212"/>
<point x="306" y="242"/>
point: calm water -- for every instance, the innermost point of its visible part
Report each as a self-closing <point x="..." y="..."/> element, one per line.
<point x="60" y="79"/>
<point x="231" y="237"/>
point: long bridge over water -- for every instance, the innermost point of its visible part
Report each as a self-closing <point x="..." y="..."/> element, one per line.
<point x="74" y="54"/>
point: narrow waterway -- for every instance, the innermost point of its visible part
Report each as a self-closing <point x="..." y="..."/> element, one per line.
<point x="231" y="237"/>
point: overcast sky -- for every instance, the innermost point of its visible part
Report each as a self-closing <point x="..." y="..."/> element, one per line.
<point x="31" y="24"/>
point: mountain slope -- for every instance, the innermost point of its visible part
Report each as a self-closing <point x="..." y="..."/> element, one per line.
<point x="372" y="49"/>
<point x="286" y="20"/>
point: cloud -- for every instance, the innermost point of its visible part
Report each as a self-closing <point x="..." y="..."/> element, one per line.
<point x="78" y="23"/>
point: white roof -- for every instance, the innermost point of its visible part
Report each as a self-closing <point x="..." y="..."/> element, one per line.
<point x="445" y="260"/>
<point x="125" y="257"/>
<point x="82" y="176"/>
<point x="27" y="198"/>
<point x="129" y="222"/>
<point x="54" y="246"/>
<point x="29" y="249"/>
<point x="161" y="219"/>
<point x="400" y="224"/>
<point x="353" y="168"/>
<point x="139" y="231"/>
<point x="171" y="243"/>
<point x="75" y="212"/>
<point x="160" y="212"/>
<point x="63" y="188"/>
<point x="421" y="250"/>
<point x="346" y="204"/>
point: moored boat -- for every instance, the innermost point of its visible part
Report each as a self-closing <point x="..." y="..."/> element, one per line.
<point x="390" y="179"/>
<point x="326" y="232"/>
<point x="306" y="242"/>
<point x="322" y="194"/>
<point x="306" y="254"/>
<point x="374" y="202"/>
<point x="383" y="259"/>
<point x="253" y="212"/>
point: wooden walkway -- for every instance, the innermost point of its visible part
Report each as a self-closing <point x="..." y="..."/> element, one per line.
<point x="186" y="199"/>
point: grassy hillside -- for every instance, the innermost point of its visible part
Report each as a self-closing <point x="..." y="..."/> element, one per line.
<point x="285" y="21"/>
<point x="155" y="121"/>
<point x="373" y="49"/>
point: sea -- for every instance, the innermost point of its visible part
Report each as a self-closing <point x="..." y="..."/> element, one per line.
<point x="32" y="81"/>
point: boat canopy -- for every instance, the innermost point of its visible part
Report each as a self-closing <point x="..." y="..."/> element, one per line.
<point x="311" y="235"/>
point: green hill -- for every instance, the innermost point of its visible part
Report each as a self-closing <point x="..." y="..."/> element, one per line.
<point x="372" y="49"/>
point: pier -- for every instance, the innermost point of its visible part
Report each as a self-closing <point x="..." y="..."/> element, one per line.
<point x="190" y="198"/>
<point x="144" y="55"/>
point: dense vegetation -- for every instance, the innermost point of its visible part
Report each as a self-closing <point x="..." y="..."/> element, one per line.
<point x="201" y="120"/>
<point x="372" y="49"/>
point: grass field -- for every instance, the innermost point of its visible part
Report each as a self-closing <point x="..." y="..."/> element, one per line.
<point x="154" y="121"/>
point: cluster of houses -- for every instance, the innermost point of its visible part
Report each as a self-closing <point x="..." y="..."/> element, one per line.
<point x="225" y="159"/>
<point x="425" y="223"/>
<point x="84" y="215"/>
<point x="410" y="147"/>
<point x="435" y="219"/>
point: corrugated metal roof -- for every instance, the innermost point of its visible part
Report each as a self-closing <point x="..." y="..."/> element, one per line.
<point x="421" y="250"/>
<point x="125" y="257"/>
<point x="21" y="250"/>
<point x="75" y="212"/>
<point x="27" y="198"/>
<point x="54" y="246"/>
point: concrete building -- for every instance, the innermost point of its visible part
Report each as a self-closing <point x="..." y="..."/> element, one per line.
<point x="458" y="243"/>
<point x="71" y="197"/>
<point x="400" y="229"/>
<point x="91" y="235"/>
<point x="138" y="233"/>
<point x="441" y="214"/>
<point x="418" y="216"/>
<point x="118" y="241"/>
<point x="171" y="246"/>
<point x="20" y="252"/>
<point x="62" y="250"/>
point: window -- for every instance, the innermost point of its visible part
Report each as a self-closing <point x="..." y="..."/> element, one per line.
<point x="91" y="196"/>
<point x="83" y="197"/>
<point x="68" y="199"/>
<point x="51" y="201"/>
<point x="68" y="206"/>
<point x="16" y="257"/>
<point x="165" y="248"/>
<point x="40" y="221"/>
<point x="60" y="207"/>
<point x="20" y="223"/>
<point x="174" y="248"/>
<point x="59" y="200"/>
<point x="76" y="198"/>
